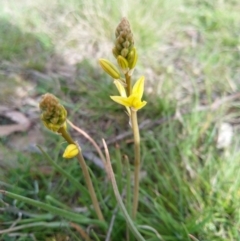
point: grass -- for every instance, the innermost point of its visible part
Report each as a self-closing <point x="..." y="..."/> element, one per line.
<point x="189" y="54"/>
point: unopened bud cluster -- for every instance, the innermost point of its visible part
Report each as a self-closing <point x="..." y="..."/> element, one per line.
<point x="53" y="114"/>
<point x="124" y="51"/>
<point x="124" y="39"/>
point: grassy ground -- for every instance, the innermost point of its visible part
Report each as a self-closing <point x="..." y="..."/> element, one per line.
<point x="189" y="54"/>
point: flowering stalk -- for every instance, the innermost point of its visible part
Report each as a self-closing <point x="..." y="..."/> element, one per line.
<point x="137" y="162"/>
<point x="90" y="186"/>
<point x="86" y="174"/>
<point x="128" y="83"/>
<point x="54" y="118"/>
<point x="130" y="96"/>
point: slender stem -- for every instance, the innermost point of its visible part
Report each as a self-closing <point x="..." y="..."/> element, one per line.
<point x="136" y="149"/>
<point x="86" y="174"/>
<point x="136" y="161"/>
<point x="128" y="82"/>
<point x="90" y="186"/>
<point x="66" y="136"/>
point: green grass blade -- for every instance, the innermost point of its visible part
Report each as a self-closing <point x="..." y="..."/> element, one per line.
<point x="78" y="218"/>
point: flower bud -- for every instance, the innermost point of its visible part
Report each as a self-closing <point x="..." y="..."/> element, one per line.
<point x="53" y="114"/>
<point x="124" y="52"/>
<point x="122" y="62"/>
<point x="132" y="58"/>
<point x="70" y="151"/>
<point x="115" y="52"/>
<point x="109" y="68"/>
<point x="124" y="39"/>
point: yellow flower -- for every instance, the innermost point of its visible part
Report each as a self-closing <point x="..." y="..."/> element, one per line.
<point x="122" y="92"/>
<point x="134" y="100"/>
<point x="70" y="151"/>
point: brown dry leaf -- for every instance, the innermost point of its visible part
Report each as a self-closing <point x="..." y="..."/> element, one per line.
<point x="22" y="122"/>
<point x="27" y="142"/>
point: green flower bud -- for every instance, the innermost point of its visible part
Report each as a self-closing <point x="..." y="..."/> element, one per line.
<point x="123" y="63"/>
<point x="132" y="58"/>
<point x="109" y="68"/>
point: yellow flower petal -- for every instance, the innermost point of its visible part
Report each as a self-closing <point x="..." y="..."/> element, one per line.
<point x="120" y="88"/>
<point x="136" y="102"/>
<point x="139" y="105"/>
<point x="70" y="151"/>
<point x="121" y="100"/>
<point x="131" y="101"/>
<point x="138" y="87"/>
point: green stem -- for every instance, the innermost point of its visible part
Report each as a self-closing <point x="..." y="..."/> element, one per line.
<point x="66" y="136"/>
<point x="128" y="82"/>
<point x="136" y="161"/>
<point x="86" y="174"/>
<point x="90" y="186"/>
